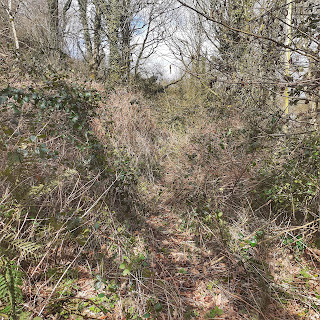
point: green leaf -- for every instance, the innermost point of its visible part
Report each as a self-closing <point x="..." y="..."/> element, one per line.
<point x="43" y="105"/>
<point x="259" y="234"/>
<point x="3" y="99"/>
<point x="305" y="274"/>
<point x="213" y="313"/>
<point x="98" y="285"/>
<point x="104" y="309"/>
<point x="126" y="272"/>
<point x="101" y="295"/>
<point x="98" y="277"/>
<point x="122" y="265"/>
<point x="142" y="257"/>
<point x="75" y="119"/>
<point x="8" y="131"/>
<point x="15" y="110"/>
<point x="25" y="316"/>
<point x="158" y="307"/>
<point x="112" y="287"/>
<point x="253" y="242"/>
<point x="33" y="138"/>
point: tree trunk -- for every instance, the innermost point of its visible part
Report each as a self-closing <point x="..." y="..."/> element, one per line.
<point x="126" y="39"/>
<point x="113" y="15"/>
<point x="96" y="54"/>
<point x="288" y="53"/>
<point x="13" y="27"/>
<point x="53" y="6"/>
<point x="83" y="4"/>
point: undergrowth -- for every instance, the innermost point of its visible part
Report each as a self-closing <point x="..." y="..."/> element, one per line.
<point x="118" y="206"/>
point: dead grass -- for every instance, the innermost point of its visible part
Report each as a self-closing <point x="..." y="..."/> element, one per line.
<point x="172" y="203"/>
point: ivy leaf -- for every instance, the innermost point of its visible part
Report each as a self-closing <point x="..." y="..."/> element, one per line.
<point x="98" y="285"/>
<point x="33" y="138"/>
<point x="3" y="99"/>
<point x="98" y="277"/>
<point x="43" y="105"/>
<point x="75" y="119"/>
<point x="253" y="242"/>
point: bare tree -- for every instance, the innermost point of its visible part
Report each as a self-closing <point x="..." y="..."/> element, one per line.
<point x="55" y="39"/>
<point x="258" y="49"/>
<point x="83" y="7"/>
<point x="11" y="12"/>
<point x="152" y="27"/>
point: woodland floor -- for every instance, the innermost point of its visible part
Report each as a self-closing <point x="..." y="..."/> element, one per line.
<point x="189" y="269"/>
<point x="197" y="279"/>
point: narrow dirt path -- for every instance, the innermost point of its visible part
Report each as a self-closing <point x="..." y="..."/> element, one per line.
<point x="191" y="270"/>
<point x="203" y="280"/>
